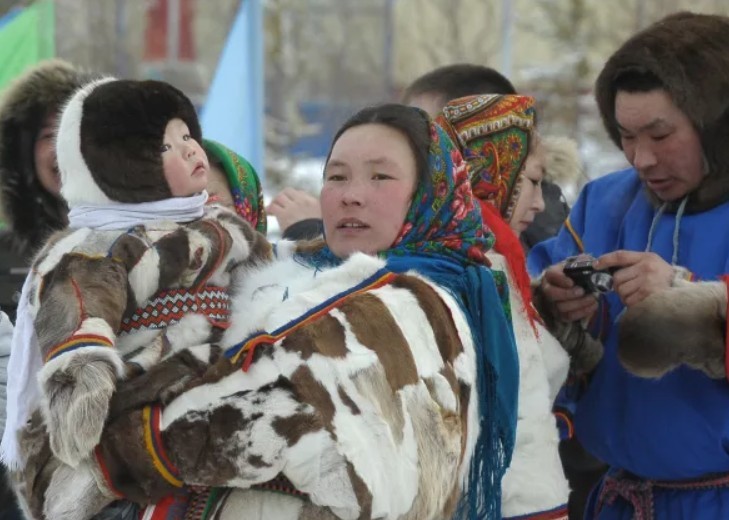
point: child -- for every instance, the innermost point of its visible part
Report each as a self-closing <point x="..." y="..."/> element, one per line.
<point x="141" y="273"/>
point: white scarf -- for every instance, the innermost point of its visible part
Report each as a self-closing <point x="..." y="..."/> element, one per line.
<point x="121" y="215"/>
<point x="23" y="389"/>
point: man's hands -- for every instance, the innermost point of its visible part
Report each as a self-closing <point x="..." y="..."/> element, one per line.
<point x="639" y="275"/>
<point x="569" y="301"/>
<point x="291" y="206"/>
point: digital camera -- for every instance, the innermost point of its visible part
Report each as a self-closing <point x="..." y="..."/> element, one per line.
<point x="581" y="270"/>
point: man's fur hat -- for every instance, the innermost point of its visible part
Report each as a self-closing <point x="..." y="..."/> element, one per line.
<point x="689" y="54"/>
<point x="28" y="209"/>
<point x="110" y="138"/>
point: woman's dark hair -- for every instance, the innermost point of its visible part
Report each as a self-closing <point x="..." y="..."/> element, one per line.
<point x="412" y="122"/>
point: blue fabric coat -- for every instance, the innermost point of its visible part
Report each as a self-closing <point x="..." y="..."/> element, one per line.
<point x="673" y="428"/>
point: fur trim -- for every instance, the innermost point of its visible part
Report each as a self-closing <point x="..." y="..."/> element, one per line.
<point x="689" y="54"/>
<point x="110" y="137"/>
<point x="76" y="493"/>
<point x="30" y="211"/>
<point x="77" y="181"/>
<point x="563" y="164"/>
<point x="681" y="325"/>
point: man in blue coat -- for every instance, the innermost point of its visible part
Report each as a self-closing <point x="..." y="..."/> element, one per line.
<point x="661" y="226"/>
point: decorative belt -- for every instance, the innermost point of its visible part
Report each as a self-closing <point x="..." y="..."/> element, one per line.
<point x="280" y="484"/>
<point x="168" y="308"/>
<point x="639" y="492"/>
<point x="558" y="513"/>
<point x="199" y="503"/>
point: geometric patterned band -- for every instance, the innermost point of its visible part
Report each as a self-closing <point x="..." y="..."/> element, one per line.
<point x="168" y="308"/>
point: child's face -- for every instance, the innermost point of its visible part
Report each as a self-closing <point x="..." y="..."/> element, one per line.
<point x="184" y="161"/>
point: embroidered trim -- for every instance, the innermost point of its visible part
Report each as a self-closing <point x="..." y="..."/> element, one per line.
<point x="77" y="342"/>
<point x="151" y="418"/>
<point x="169" y="307"/>
<point x="105" y="473"/>
<point x="248" y="346"/>
<point x="558" y="513"/>
<point x="575" y="236"/>
<point x="280" y="484"/>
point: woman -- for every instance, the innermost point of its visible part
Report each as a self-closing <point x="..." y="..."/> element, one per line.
<point x="372" y="385"/>
<point x="497" y="137"/>
<point x="31" y="205"/>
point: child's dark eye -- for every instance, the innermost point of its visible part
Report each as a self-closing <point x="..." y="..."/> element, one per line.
<point x="165" y="147"/>
<point x="186" y="137"/>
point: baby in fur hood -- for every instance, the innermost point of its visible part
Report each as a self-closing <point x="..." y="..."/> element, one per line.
<point x="141" y="275"/>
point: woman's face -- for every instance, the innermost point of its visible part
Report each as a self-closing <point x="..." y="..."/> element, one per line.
<point x="369" y="183"/>
<point x="530" y="201"/>
<point x="46" y="167"/>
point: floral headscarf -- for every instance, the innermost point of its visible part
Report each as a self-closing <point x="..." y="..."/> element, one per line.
<point x="444" y="218"/>
<point x="245" y="186"/>
<point x="494" y="133"/>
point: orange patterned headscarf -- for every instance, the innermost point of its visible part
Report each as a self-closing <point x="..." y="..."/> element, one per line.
<point x="495" y="133"/>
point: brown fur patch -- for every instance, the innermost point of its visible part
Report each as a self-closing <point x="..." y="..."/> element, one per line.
<point x="376" y="329"/>
<point x="348" y="402"/>
<point x="325" y="336"/>
<point x="260" y="248"/>
<point x="362" y="492"/>
<point x="129" y="465"/>
<point x="310" y="391"/>
<point x="306" y="247"/>
<point x="439" y="316"/>
<point x="174" y="257"/>
<point x="201" y="446"/>
<point x="162" y="382"/>
<point x="101" y="283"/>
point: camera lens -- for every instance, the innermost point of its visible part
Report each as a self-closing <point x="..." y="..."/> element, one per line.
<point x="602" y="282"/>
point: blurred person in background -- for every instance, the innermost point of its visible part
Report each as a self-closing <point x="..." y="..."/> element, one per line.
<point x="32" y="207"/>
<point x="31" y="204"/>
